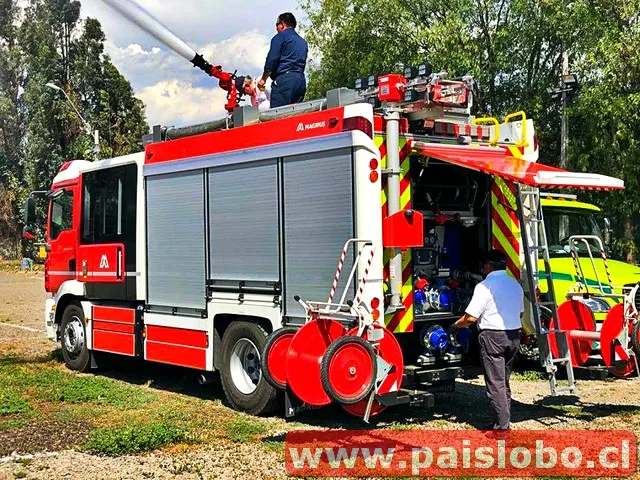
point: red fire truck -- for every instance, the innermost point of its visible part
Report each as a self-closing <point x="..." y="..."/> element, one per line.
<point x="320" y="250"/>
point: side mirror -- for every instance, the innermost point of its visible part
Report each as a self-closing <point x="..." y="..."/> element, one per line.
<point x="29" y="232"/>
<point x="30" y="211"/>
<point x="53" y="194"/>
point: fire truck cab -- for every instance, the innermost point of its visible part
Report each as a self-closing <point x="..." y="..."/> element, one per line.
<point x="321" y="250"/>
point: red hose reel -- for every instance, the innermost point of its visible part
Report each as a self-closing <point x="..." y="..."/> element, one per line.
<point x="578" y="321"/>
<point x="322" y="362"/>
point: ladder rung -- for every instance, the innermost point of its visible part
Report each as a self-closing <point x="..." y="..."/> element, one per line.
<point x="570" y="390"/>
<point x="544" y="274"/>
<point x="561" y="360"/>
<point x="538" y="247"/>
<point x="546" y="303"/>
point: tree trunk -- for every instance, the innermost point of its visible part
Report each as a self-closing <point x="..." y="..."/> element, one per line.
<point x="630" y="239"/>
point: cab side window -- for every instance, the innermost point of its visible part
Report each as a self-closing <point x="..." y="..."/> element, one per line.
<point x="61" y="214"/>
<point x="108" y="205"/>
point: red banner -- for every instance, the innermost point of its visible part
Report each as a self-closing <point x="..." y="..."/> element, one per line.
<point x="450" y="453"/>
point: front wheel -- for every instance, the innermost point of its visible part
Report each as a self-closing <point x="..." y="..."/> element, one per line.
<point x="241" y="373"/>
<point x="74" y="339"/>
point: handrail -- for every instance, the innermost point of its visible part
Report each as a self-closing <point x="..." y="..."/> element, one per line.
<point x="485" y="120"/>
<point x="522" y="143"/>
<point x="578" y="265"/>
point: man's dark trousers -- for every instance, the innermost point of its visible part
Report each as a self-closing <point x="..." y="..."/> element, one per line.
<point x="498" y="350"/>
<point x="288" y="88"/>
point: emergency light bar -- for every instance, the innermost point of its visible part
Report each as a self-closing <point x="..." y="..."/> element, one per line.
<point x="417" y="88"/>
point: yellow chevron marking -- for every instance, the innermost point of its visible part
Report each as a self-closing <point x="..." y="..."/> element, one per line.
<point x="405" y="201"/>
<point x="504" y="215"/>
<point x="496" y="232"/>
<point x="508" y="249"/>
<point x="515" y="152"/>
<point x="511" y="198"/>
<point x="407" y="320"/>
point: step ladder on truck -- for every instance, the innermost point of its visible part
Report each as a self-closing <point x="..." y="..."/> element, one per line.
<point x="344" y="352"/>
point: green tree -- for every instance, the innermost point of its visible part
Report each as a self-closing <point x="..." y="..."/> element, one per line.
<point x="39" y="129"/>
<point x="514" y="49"/>
<point x="11" y="127"/>
<point x="605" y="119"/>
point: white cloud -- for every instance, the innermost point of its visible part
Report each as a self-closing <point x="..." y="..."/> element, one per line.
<point x="196" y="21"/>
<point x="176" y="103"/>
<point x="173" y="90"/>
<point x="236" y="37"/>
<point x="244" y="51"/>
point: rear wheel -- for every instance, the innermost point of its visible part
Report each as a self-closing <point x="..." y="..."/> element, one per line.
<point x="635" y="338"/>
<point x="74" y="339"/>
<point x="241" y="375"/>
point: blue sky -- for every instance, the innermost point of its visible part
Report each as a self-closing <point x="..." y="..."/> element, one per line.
<point x="234" y="34"/>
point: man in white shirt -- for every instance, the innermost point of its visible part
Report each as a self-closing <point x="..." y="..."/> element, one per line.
<point x="497" y="305"/>
<point x="260" y="99"/>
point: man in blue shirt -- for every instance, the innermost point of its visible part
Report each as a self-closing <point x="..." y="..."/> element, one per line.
<point x="285" y="63"/>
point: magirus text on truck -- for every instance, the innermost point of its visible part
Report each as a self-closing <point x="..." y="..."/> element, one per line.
<point x="320" y="250"/>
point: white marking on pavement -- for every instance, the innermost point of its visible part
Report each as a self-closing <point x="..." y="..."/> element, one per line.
<point x="29" y="329"/>
<point x="13" y="458"/>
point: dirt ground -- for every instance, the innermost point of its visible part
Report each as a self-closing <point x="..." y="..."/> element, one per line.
<point x="47" y="448"/>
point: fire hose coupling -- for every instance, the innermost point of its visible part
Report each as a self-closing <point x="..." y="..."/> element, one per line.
<point x="443" y="344"/>
<point x="434" y="338"/>
<point x="199" y="62"/>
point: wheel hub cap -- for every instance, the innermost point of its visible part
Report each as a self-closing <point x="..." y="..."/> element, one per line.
<point x="245" y="366"/>
<point x="74" y="336"/>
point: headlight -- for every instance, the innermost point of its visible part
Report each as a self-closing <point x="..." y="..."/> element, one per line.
<point x="596" y="305"/>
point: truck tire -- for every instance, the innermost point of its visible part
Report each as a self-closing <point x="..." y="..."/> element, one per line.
<point x="241" y="374"/>
<point x="635" y="338"/>
<point x="74" y="339"/>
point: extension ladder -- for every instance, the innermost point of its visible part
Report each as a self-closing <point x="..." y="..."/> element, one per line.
<point x="534" y="242"/>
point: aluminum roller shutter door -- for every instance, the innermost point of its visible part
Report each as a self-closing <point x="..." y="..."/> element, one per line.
<point x="176" y="240"/>
<point x="243" y="205"/>
<point x="318" y="203"/>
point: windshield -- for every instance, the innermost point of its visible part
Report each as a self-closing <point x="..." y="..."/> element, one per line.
<point x="562" y="223"/>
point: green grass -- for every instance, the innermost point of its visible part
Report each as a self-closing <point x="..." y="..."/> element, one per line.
<point x="102" y="391"/>
<point x="244" y="430"/>
<point x="13" y="403"/>
<point x="271" y="446"/>
<point x="47" y="383"/>
<point x="629" y="412"/>
<point x="122" y="418"/>
<point x="527" y="376"/>
<point x="133" y="439"/>
<point x="574" y="411"/>
<point x="12" y="423"/>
